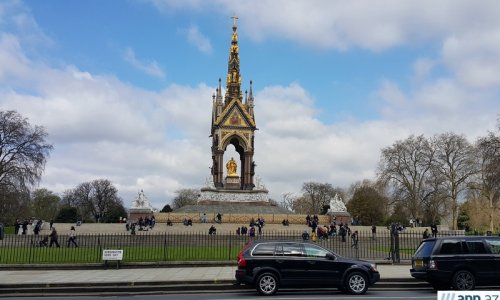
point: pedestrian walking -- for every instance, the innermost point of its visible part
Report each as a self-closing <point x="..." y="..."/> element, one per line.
<point x="53" y="238"/>
<point x="354" y="240"/>
<point x="374" y="232"/>
<point x="72" y="237"/>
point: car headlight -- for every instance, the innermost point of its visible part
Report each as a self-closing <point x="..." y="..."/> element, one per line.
<point x="373" y="267"/>
<point x="432" y="265"/>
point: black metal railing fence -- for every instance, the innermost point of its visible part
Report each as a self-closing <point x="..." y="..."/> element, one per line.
<point x="163" y="247"/>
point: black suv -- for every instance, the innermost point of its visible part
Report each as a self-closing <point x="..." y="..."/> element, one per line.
<point x="459" y="262"/>
<point x="269" y="265"/>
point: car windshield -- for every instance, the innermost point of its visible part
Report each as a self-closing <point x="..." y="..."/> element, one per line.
<point x="425" y="249"/>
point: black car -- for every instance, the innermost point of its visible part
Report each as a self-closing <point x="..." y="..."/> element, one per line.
<point x="460" y="262"/>
<point x="269" y="265"/>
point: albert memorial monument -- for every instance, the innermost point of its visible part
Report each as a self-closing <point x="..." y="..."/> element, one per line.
<point x="232" y="185"/>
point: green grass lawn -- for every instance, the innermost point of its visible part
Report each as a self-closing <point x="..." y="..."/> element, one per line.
<point x="64" y="255"/>
<point x="36" y="255"/>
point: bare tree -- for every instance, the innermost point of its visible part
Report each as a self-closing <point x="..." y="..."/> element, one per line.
<point x="436" y="204"/>
<point x="82" y="195"/>
<point x="287" y="201"/>
<point x="316" y="196"/>
<point x="302" y="205"/>
<point x="487" y="181"/>
<point x="406" y="166"/>
<point x="104" y="199"/>
<point x="98" y="199"/>
<point x="453" y="166"/>
<point x="23" y="152"/>
<point x="69" y="198"/>
<point x="13" y="205"/>
<point x="185" y="197"/>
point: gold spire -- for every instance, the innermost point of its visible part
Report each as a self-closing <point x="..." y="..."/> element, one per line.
<point x="233" y="81"/>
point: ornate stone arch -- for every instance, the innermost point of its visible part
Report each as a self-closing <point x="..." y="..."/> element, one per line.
<point x="238" y="140"/>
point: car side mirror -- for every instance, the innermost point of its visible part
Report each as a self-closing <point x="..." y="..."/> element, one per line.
<point x="330" y="256"/>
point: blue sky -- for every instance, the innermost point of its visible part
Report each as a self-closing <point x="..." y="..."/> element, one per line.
<point x="124" y="87"/>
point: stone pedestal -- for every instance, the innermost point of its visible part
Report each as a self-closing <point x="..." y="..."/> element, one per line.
<point x="232" y="183"/>
<point x="135" y="213"/>
<point x="338" y="211"/>
<point x="220" y="196"/>
<point x="340" y="217"/>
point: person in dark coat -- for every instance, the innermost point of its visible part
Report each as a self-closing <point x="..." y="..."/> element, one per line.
<point x="53" y="238"/>
<point x="305" y="235"/>
<point x="342" y="232"/>
<point x="36" y="230"/>
<point x="434" y="229"/>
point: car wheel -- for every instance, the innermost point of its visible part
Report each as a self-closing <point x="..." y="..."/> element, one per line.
<point x="267" y="284"/>
<point x="356" y="283"/>
<point x="463" y="280"/>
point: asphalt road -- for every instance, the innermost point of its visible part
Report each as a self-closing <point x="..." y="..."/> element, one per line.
<point x="420" y="294"/>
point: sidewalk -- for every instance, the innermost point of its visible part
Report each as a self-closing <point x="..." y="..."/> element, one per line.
<point x="144" y="276"/>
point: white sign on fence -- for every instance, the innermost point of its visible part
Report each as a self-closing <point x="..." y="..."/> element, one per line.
<point x="108" y="254"/>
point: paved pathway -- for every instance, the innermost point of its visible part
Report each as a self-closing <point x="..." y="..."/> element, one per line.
<point x="93" y="228"/>
<point x="150" y="275"/>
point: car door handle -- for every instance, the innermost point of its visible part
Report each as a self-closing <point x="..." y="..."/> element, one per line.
<point x="280" y="261"/>
<point x="312" y="262"/>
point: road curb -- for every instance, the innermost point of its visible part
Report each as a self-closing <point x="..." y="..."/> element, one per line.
<point x="168" y="283"/>
<point x="161" y="287"/>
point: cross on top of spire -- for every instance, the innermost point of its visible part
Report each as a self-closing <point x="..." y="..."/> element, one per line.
<point x="234" y="17"/>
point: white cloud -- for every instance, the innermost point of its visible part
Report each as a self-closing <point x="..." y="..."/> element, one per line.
<point x="104" y="128"/>
<point x="438" y="106"/>
<point x="158" y="141"/>
<point x="422" y="68"/>
<point x="13" y="63"/>
<point x="149" y="67"/>
<point x="196" y="38"/>
<point x="340" y="24"/>
<point x="16" y="18"/>
<point x="474" y="58"/>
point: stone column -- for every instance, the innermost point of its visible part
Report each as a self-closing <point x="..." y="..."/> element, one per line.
<point x="219" y="169"/>
<point x="247" y="180"/>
